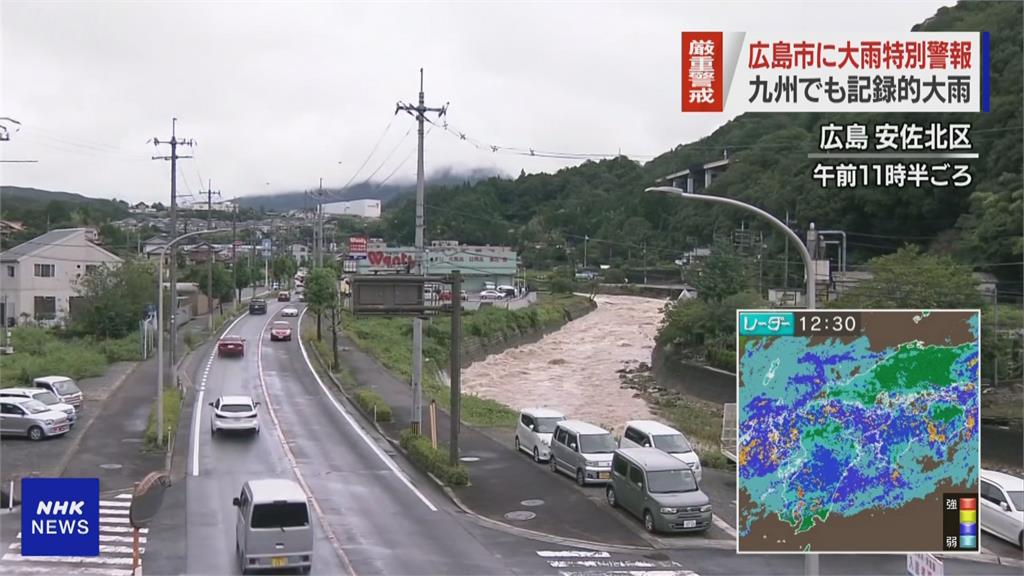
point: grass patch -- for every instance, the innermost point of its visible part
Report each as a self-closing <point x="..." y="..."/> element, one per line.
<point x="42" y="352"/>
<point x="476" y="411"/>
<point x="193" y="339"/>
<point x="702" y="426"/>
<point x="433" y="460"/>
<point x="172" y="408"/>
<point x="373" y="404"/>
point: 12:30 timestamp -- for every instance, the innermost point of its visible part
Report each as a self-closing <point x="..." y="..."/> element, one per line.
<point x="824" y="323"/>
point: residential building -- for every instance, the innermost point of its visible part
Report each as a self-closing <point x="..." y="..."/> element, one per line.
<point x="478" y="264"/>
<point x="9" y="227"/>
<point x="300" y="253"/>
<point x="366" y="208"/>
<point x="39" y="276"/>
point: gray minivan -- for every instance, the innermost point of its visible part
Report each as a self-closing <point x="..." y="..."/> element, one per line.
<point x="659" y="489"/>
<point x="582" y="450"/>
<point x="273" y="529"/>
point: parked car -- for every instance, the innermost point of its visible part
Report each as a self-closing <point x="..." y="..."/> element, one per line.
<point x="231" y="346"/>
<point x="31" y="418"/>
<point x="64" y="388"/>
<point x="583" y="450"/>
<point x="290" y="312"/>
<point x="284" y="296"/>
<point x="44" y="396"/>
<point x="257" y="306"/>
<point x="651" y="434"/>
<point x="273" y="528"/>
<point x="1001" y="507"/>
<point x="234" y="413"/>
<point x="659" y="489"/>
<point x="281" y="330"/>
<point x="275" y="286"/>
<point x="534" y="430"/>
<point x="491" y="295"/>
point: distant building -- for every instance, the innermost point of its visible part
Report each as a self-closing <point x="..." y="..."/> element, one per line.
<point x="9" y="227"/>
<point x="39" y="276"/>
<point x="300" y="252"/>
<point x="696" y="178"/>
<point x="478" y="264"/>
<point x="141" y="208"/>
<point x="224" y="206"/>
<point x="362" y="208"/>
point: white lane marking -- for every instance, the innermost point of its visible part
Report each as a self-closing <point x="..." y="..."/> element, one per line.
<point x="115" y="504"/>
<point x="114" y="511"/>
<point x="633" y="573"/>
<point x="723" y="525"/>
<point x="115" y="520"/>
<point x="125" y="496"/>
<point x="572" y="554"/>
<point x="359" y="430"/>
<point x="103" y="548"/>
<point x="197" y="410"/>
<point x="78" y="571"/>
<point x="108" y="538"/>
<point x="291" y="457"/>
<point x="601" y="564"/>
<point x="10" y="556"/>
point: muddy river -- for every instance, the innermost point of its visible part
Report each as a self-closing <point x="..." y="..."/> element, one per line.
<point x="573" y="370"/>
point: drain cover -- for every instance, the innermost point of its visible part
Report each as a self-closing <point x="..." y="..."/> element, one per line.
<point x="520" y="515"/>
<point x="532" y="502"/>
<point x="469" y="459"/>
<point x="110" y="466"/>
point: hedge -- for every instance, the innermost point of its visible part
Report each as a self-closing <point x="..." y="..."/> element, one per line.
<point x="368" y="400"/>
<point x="433" y="460"/>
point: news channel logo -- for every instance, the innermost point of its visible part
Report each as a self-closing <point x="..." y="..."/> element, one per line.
<point x="60" y="517"/>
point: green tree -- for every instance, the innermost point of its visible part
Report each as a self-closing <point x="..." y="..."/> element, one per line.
<point x="321" y="293"/>
<point x="283" y="267"/>
<point x="720" y="275"/>
<point x="910" y="279"/>
<point x="113" y="298"/>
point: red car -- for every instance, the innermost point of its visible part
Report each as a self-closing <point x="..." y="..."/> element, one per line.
<point x="281" y="331"/>
<point x="231" y="346"/>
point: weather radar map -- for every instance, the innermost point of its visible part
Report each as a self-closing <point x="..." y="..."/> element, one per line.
<point x="857" y="429"/>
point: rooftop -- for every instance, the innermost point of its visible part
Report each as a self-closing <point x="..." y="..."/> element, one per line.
<point x="271" y="489"/>
<point x="652" y="459"/>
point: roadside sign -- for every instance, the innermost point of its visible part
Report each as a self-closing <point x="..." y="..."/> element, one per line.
<point x="923" y="565"/>
<point x="147" y="498"/>
<point x="389" y="294"/>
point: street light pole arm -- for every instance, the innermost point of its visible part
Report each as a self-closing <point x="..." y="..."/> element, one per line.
<point x="775" y="222"/>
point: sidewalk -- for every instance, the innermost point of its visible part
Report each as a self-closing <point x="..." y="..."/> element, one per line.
<point x="500" y="479"/>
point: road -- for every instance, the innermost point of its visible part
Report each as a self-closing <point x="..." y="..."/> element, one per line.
<point x="365" y="505"/>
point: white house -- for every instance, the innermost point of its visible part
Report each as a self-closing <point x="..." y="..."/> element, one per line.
<point x="300" y="252"/>
<point x="37" y="278"/>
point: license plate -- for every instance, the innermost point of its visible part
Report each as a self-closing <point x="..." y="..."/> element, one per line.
<point x="689" y="523"/>
<point x="278" y="561"/>
<point x="604" y="475"/>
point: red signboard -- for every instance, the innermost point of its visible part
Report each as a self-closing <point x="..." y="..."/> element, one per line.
<point x="357" y="245"/>
<point x="702" y="72"/>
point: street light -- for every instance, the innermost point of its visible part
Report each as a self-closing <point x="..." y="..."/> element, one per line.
<point x="808" y="261"/>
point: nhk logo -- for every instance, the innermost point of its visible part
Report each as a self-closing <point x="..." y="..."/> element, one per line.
<point x="60" y="517"/>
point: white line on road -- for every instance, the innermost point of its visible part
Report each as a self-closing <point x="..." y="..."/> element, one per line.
<point x="572" y="554"/>
<point x="634" y="573"/>
<point x="358" y="429"/>
<point x="77" y="571"/>
<point x="125" y="496"/>
<point x="601" y="564"/>
<point x="115" y="511"/>
<point x="198" y="409"/>
<point x="115" y="504"/>
<point x="68" y="559"/>
<point x="103" y="548"/>
<point x="723" y="525"/>
<point x="108" y="538"/>
<point x="331" y="536"/>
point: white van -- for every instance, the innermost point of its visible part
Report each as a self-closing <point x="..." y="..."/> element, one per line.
<point x="65" y="389"/>
<point x="582" y="450"/>
<point x="651" y="434"/>
<point x="273" y="529"/>
<point x="534" y="430"/>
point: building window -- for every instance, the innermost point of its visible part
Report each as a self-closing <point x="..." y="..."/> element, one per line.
<point x="45" y="307"/>
<point x="45" y="270"/>
<point x="10" y="271"/>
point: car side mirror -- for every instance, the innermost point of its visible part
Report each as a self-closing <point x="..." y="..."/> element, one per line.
<point x="235" y="501"/>
<point x="211" y="405"/>
<point x="256" y="404"/>
<point x="1004" y="506"/>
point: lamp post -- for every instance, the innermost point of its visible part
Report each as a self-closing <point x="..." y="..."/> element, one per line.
<point x="808" y="261"/>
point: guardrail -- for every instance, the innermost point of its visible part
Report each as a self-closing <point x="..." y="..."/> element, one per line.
<point x="729" y="431"/>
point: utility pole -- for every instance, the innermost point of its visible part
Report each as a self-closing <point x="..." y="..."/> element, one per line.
<point x="455" y="416"/>
<point x="785" y="274"/>
<point x="174" y="142"/>
<point x="209" y="254"/>
<point x="586" y="239"/>
<point x="420" y="111"/>
<point x="234" y="254"/>
<point x="320" y="226"/>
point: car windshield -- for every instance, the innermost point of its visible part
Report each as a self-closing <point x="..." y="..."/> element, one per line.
<point x="597" y="443"/>
<point x="47" y="398"/>
<point x="672" y="443"/>
<point x="34" y="407"/>
<point x="279" y="515"/>
<point x="670" y="481"/>
<point x="235" y="408"/>
<point x="547" y="425"/>
<point x="66" y="387"/>
<point x="1018" y="500"/>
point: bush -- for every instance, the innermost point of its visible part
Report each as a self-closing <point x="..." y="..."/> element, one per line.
<point x="369" y="401"/>
<point x="560" y="285"/>
<point x="172" y="407"/>
<point x="123" y="349"/>
<point x="434" y="461"/>
<point x="192" y="340"/>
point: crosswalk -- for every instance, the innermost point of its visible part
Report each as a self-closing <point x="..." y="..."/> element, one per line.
<point x="595" y="563"/>
<point x="115" y="557"/>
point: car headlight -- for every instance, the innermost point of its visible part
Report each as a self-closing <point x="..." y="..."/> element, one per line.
<point x="595" y="464"/>
<point x="669" y="510"/>
<point x="705" y="508"/>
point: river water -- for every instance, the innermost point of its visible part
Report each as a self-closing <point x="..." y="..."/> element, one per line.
<point x="574" y="369"/>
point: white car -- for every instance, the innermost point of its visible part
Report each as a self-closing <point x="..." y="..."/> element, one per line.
<point x="290" y="312"/>
<point x="533" y="432"/>
<point x="234" y="413"/>
<point x="652" y="434"/>
<point x="491" y="295"/>
<point x="1002" y="506"/>
<point x="44" y="396"/>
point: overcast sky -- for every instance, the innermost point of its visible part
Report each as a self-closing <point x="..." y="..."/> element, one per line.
<point x="276" y="94"/>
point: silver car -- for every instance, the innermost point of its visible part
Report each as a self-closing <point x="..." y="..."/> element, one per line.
<point x="583" y="451"/>
<point x="234" y="413"/>
<point x="32" y="418"/>
<point x="44" y="396"/>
